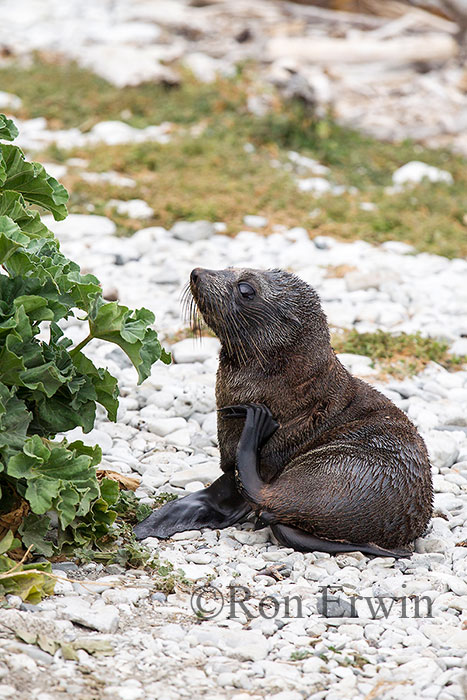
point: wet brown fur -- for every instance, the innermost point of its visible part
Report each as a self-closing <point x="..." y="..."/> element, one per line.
<point x="345" y="464"/>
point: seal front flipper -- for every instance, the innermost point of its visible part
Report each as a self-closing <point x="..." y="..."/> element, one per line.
<point x="304" y="541"/>
<point x="217" y="506"/>
<point x="258" y="428"/>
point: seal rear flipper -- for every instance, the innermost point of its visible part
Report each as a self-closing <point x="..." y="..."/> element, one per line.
<point x="217" y="506"/>
<point x="304" y="541"/>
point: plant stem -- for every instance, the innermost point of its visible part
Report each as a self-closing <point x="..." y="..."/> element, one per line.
<point x="81" y="345"/>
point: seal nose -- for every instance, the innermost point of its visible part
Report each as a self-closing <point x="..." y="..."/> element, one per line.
<point x="196" y="274"/>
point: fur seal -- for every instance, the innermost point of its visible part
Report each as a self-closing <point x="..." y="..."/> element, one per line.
<point x="322" y="457"/>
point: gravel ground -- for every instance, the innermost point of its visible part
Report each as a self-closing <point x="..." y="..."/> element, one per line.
<point x="155" y="646"/>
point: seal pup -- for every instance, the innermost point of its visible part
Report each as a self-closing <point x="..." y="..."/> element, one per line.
<point x="322" y="457"/>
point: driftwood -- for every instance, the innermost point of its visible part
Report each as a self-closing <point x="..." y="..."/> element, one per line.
<point x="443" y="15"/>
<point x="455" y="10"/>
<point x="429" y="47"/>
<point x="307" y="10"/>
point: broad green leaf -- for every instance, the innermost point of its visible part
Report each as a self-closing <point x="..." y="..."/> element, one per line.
<point x="83" y="289"/>
<point x="46" y="378"/>
<point x="165" y="357"/>
<point x="35" y="307"/>
<point x="8" y="542"/>
<point x="11" y="238"/>
<point x="40" y="299"/>
<point x="105" y="385"/>
<point x="94" y="452"/>
<point x="29" y="581"/>
<point x="8" y="130"/>
<point x="33" y="531"/>
<point x="32" y="181"/>
<point x="109" y="491"/>
<point x="66" y="505"/>
<point x="41" y="493"/>
<point x="43" y="261"/>
<point x="117" y="324"/>
<point x="12" y="204"/>
<point x="56" y="415"/>
<point x="59" y="478"/>
<point x="96" y="523"/>
<point x="14" y="420"/>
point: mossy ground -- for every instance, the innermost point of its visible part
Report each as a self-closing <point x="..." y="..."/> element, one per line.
<point x="397" y="355"/>
<point x="206" y="173"/>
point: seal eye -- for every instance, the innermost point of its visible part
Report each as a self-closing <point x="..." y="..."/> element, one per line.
<point x="246" y="290"/>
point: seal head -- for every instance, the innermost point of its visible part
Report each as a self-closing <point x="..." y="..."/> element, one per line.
<point x="257" y="314"/>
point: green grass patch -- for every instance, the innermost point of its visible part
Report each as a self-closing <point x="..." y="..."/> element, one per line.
<point x="70" y="96"/>
<point x="205" y="172"/>
<point x="301" y="654"/>
<point x="397" y="355"/>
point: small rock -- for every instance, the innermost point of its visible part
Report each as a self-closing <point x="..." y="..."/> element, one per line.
<point x="313" y="665"/>
<point x="446" y="635"/>
<point x="459" y="347"/>
<point x="173" y="632"/>
<point x="255" y="221"/>
<point x="317" y="185"/>
<point x="349" y="360"/>
<point x="442" y="448"/>
<point x="114" y="133"/>
<point x="94" y="437"/>
<point x="77" y="225"/>
<point x="57" y="171"/>
<point x="179" y="437"/>
<point x="416" y="171"/>
<point x="165" y="426"/>
<point x="134" y="208"/>
<point x="194" y="486"/>
<point x="357" y="280"/>
<point x="159" y="597"/>
<point x="238" y="644"/>
<point x="205" y="68"/>
<point x="306" y="163"/>
<point x="191" y="231"/>
<point x="14" y="601"/>
<point x="103" y="618"/>
<point x="112" y="177"/>
<point x="195" y="572"/>
<point x="192" y="350"/>
<point x="330" y="607"/>
<point x="206" y="473"/>
<point x="128" y="595"/>
<point x="9" y="101"/>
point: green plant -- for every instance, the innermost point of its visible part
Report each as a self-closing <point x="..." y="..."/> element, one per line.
<point x="46" y="386"/>
<point x="29" y="581"/>
<point x="301" y="654"/>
